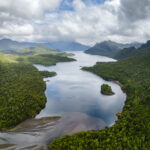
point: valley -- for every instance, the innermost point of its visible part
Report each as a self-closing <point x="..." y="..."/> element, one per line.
<point x="51" y="87"/>
<point x="88" y="111"/>
<point x="74" y="75"/>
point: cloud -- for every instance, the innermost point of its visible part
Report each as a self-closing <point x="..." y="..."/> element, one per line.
<point x="15" y="29"/>
<point x="78" y="5"/>
<point x="134" y="10"/>
<point x="84" y="21"/>
<point x="87" y="24"/>
<point x="28" y="8"/>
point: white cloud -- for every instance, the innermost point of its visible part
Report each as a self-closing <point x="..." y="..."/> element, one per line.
<point x="28" y="8"/>
<point x="78" y="5"/>
<point x="87" y="24"/>
<point x="15" y="29"/>
<point x="40" y="21"/>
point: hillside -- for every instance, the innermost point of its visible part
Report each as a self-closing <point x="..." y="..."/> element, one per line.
<point x="132" y="130"/>
<point x="7" y="44"/>
<point x="22" y="93"/>
<point x="41" y="49"/>
<point x="22" y="87"/>
<point x="10" y="45"/>
<point x="130" y="52"/>
<point x="108" y="48"/>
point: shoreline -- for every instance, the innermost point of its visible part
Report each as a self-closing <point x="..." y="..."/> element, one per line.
<point x="41" y="79"/>
<point x="33" y="122"/>
<point x="113" y="81"/>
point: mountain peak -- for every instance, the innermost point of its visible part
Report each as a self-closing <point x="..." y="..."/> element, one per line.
<point x="5" y="40"/>
<point x="146" y="45"/>
<point x="108" y="48"/>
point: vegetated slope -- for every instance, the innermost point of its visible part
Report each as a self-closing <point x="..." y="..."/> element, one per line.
<point x="130" y="52"/>
<point x="36" y="50"/>
<point x="42" y="55"/>
<point x="132" y="130"/>
<point x="108" y="48"/>
<point x="37" y="55"/>
<point x="41" y="49"/>
<point x="46" y="59"/>
<point x="7" y="44"/>
<point x="22" y="87"/>
<point x="22" y="93"/>
<point x="8" y="58"/>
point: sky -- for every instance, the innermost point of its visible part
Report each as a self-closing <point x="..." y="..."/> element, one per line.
<point x="84" y="21"/>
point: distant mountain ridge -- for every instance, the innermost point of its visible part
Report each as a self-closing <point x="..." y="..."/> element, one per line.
<point x="109" y="48"/>
<point x="132" y="51"/>
<point x="67" y="46"/>
<point x="7" y="44"/>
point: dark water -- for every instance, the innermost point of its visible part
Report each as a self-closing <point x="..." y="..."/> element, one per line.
<point x="75" y="95"/>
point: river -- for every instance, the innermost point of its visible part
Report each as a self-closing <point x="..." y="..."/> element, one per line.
<point x="74" y="95"/>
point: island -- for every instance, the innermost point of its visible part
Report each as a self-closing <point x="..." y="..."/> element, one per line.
<point x="106" y="90"/>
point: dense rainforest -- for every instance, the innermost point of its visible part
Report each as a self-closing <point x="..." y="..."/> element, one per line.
<point x="132" y="129"/>
<point x="22" y="93"/>
<point x="106" y="89"/>
<point x="22" y="87"/>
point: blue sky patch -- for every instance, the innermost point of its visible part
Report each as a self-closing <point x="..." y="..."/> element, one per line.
<point x="67" y="4"/>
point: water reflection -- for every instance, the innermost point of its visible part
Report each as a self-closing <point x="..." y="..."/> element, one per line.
<point x="74" y="90"/>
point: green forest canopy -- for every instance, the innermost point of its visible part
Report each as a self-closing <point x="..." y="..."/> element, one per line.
<point x="22" y="87"/>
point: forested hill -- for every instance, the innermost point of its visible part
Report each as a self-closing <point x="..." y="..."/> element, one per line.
<point x="7" y="44"/>
<point x="132" y="130"/>
<point x="132" y="51"/>
<point x="22" y="89"/>
<point x="109" y="48"/>
<point x="22" y="93"/>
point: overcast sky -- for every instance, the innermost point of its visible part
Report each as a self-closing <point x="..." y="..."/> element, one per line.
<point x="84" y="21"/>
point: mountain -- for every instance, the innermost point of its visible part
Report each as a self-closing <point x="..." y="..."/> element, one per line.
<point x="7" y="44"/>
<point x="108" y="48"/>
<point x="67" y="46"/>
<point x="132" y="51"/>
<point x="41" y="49"/>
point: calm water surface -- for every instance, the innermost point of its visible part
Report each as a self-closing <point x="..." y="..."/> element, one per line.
<point x="75" y="90"/>
<point x="75" y="95"/>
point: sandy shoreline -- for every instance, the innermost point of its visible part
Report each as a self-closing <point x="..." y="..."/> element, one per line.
<point x="33" y="122"/>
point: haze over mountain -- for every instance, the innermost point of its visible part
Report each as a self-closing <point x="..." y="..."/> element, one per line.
<point x="7" y="44"/>
<point x="132" y="51"/>
<point x="67" y="46"/>
<point x="109" y="48"/>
